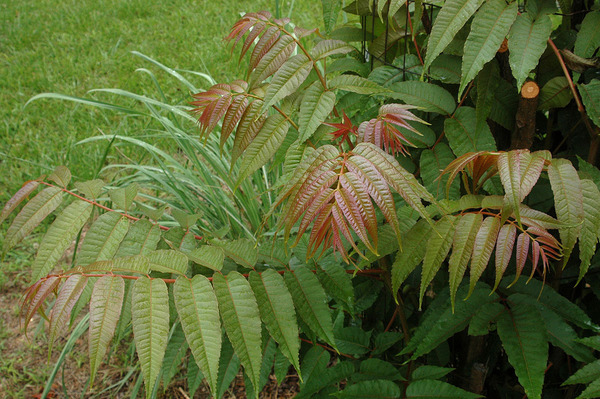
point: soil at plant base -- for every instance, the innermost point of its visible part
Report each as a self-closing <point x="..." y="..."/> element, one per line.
<point x="24" y="364"/>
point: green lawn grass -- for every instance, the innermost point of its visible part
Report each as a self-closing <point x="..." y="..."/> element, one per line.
<point x="71" y="47"/>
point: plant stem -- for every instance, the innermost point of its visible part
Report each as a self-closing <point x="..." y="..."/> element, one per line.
<point x="580" y="106"/>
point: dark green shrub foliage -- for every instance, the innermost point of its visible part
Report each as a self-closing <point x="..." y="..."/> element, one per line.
<point x="361" y="171"/>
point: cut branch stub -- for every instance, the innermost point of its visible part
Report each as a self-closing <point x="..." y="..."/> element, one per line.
<point x="522" y="136"/>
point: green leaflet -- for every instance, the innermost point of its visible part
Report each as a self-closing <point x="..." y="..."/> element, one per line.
<point x="91" y="188"/>
<point x="462" y="248"/>
<point x="123" y="197"/>
<point x="32" y="214"/>
<point x="168" y="261"/>
<point x="556" y="93"/>
<point x="445" y="322"/>
<point x="453" y="15"/>
<point x="194" y="376"/>
<point x="316" y="106"/>
<point x="544" y="295"/>
<point x="199" y="314"/>
<point x="241" y="319"/>
<point x="310" y="302"/>
<point x="487" y="314"/>
<point x="372" y="388"/>
<point x="287" y="79"/>
<point x="103" y="238"/>
<point x="562" y="335"/>
<point x="59" y="237"/>
<point x="176" y="350"/>
<point x="590" y="94"/>
<point x="328" y="377"/>
<point x="489" y="28"/>
<point x="326" y="48"/>
<point x="437" y="249"/>
<point x="353" y="340"/>
<point x="141" y="239"/>
<point x="150" y="319"/>
<point x="526" y="43"/>
<point x="65" y="301"/>
<point x="314" y="364"/>
<point x="463" y="136"/>
<point x="427" y="96"/>
<point x="393" y="7"/>
<point x="588" y="38"/>
<point x="374" y="368"/>
<point x="229" y="366"/>
<point x="61" y="176"/>
<point x="336" y="281"/>
<point x="487" y="82"/>
<point x="331" y="10"/>
<point x="356" y="84"/>
<point x="568" y="202"/>
<point x="263" y="146"/>
<point x="105" y="309"/>
<point x="585" y="375"/>
<point x="184" y="219"/>
<point x="422" y="389"/>
<point x="13" y="203"/>
<point x="484" y="244"/>
<point x="426" y="372"/>
<point x="432" y="162"/>
<point x="269" y="350"/>
<point x="411" y="255"/>
<point x="208" y="256"/>
<point x="277" y="312"/>
<point x="242" y="251"/>
<point x="588" y="236"/>
<point x="518" y="328"/>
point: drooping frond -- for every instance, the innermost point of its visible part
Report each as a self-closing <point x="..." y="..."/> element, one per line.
<point x="337" y="193"/>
